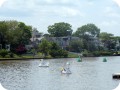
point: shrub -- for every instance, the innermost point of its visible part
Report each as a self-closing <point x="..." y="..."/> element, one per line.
<point x="11" y="55"/>
<point x="96" y="53"/>
<point x="106" y="53"/>
<point x="21" y="49"/>
<point x="64" y="53"/>
<point x="7" y="56"/>
<point x="58" y="53"/>
<point x="85" y="53"/>
<point x="53" y="53"/>
<point x="3" y="52"/>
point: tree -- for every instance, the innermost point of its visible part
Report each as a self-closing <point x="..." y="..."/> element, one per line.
<point x="14" y="33"/>
<point x="87" y="30"/>
<point x="44" y="47"/>
<point x="88" y="33"/>
<point x="60" y="29"/>
<point x="3" y="33"/>
<point x="108" y="40"/>
<point x="117" y="42"/>
<point x="25" y="33"/>
<point x="76" y="45"/>
<point x="56" y="51"/>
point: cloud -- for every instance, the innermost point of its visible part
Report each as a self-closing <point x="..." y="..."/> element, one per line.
<point x="2" y="2"/>
<point x="117" y="2"/>
<point x="108" y="9"/>
<point x="41" y="13"/>
<point x="15" y="13"/>
<point x="111" y="12"/>
<point x="109" y="23"/>
<point x="68" y="12"/>
<point x="57" y="1"/>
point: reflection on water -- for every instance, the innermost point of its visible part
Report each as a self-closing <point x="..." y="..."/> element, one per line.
<point x="90" y="74"/>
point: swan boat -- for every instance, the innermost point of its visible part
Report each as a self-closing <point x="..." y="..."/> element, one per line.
<point x="43" y="63"/>
<point x="67" y="69"/>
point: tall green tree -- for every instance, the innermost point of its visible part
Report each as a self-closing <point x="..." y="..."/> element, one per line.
<point x="60" y="29"/>
<point x="87" y="30"/>
<point x="117" y="42"/>
<point x="3" y="33"/>
<point x="76" y="45"/>
<point x="14" y="33"/>
<point x="44" y="47"/>
<point x="25" y="33"/>
<point x="88" y="33"/>
<point x="108" y="40"/>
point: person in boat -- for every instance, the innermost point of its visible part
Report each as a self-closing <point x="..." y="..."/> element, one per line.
<point x="63" y="69"/>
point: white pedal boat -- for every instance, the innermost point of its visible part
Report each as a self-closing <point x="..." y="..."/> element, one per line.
<point x="67" y="69"/>
<point x="43" y="64"/>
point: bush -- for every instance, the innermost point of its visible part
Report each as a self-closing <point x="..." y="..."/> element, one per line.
<point x="64" y="53"/>
<point x="53" y="53"/>
<point x="85" y="53"/>
<point x="58" y="53"/>
<point x="7" y="56"/>
<point x="3" y="52"/>
<point x="106" y="53"/>
<point x="21" y="49"/>
<point x="96" y="53"/>
<point x="11" y="55"/>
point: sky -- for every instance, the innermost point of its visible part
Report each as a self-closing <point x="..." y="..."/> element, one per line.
<point x="105" y="14"/>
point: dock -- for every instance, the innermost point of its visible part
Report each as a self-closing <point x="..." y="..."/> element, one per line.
<point x="116" y="76"/>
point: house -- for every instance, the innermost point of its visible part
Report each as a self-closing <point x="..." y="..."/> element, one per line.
<point x="63" y="42"/>
<point x="34" y="40"/>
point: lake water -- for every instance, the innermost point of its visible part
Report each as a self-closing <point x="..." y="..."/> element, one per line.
<point x="90" y="74"/>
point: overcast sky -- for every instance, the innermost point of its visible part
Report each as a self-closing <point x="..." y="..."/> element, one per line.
<point x="105" y="14"/>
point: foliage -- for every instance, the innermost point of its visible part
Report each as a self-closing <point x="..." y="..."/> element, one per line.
<point x="88" y="33"/>
<point x="56" y="51"/>
<point x="87" y="30"/>
<point x="72" y="55"/>
<point x="54" y="46"/>
<point x="21" y="49"/>
<point x="96" y="53"/>
<point x="10" y="55"/>
<point x="3" y="32"/>
<point x="60" y="29"/>
<point x="14" y="33"/>
<point x="85" y="53"/>
<point x="25" y="33"/>
<point x="3" y="52"/>
<point x="44" y="47"/>
<point x="64" y="53"/>
<point x="105" y="36"/>
<point x="108" y="40"/>
<point x="76" y="45"/>
<point x="59" y="53"/>
<point x="106" y="53"/>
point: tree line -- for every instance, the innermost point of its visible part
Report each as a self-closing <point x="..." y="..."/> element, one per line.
<point x="89" y="35"/>
<point x="18" y="34"/>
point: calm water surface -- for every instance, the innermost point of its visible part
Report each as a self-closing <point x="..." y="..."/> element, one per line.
<point x="91" y="74"/>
